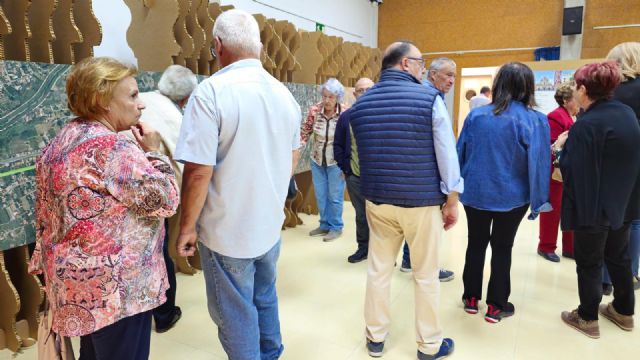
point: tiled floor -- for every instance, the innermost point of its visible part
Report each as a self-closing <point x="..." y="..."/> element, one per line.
<point x="322" y="296"/>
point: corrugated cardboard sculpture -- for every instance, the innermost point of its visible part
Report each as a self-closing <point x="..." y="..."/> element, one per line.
<point x="154" y="53"/>
<point x="66" y="33"/>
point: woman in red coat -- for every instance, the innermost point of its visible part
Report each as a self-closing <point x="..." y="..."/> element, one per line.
<point x="560" y="120"/>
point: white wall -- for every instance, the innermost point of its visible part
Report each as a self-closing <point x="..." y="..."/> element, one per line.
<point x="353" y="20"/>
<point x="114" y="17"/>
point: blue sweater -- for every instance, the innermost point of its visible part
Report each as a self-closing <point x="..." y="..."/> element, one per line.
<point x="392" y="124"/>
<point x="504" y="159"/>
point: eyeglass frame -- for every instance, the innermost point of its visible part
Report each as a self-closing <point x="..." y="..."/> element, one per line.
<point x="419" y="60"/>
<point x="214" y="54"/>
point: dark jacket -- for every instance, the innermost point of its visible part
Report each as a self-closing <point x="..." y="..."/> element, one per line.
<point x="342" y="142"/>
<point x="392" y="124"/>
<point x="628" y="93"/>
<point x="600" y="166"/>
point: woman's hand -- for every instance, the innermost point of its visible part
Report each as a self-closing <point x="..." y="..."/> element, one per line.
<point x="562" y="139"/>
<point x="147" y="137"/>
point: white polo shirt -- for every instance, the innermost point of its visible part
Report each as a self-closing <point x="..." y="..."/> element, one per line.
<point x="246" y="124"/>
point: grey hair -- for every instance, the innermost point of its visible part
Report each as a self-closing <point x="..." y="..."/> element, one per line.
<point x="239" y="32"/>
<point x="438" y="63"/>
<point x="177" y="82"/>
<point x="335" y="87"/>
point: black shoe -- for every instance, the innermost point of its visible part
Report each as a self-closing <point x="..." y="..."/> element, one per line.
<point x="359" y="255"/>
<point x="551" y="256"/>
<point x="568" y="255"/>
<point x="607" y="289"/>
<point x="494" y="315"/>
<point x="174" y="320"/>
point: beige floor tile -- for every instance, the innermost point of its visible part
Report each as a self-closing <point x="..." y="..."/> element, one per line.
<point x="322" y="299"/>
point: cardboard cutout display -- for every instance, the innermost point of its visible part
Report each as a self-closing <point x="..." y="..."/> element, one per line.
<point x="41" y="25"/>
<point x="154" y="53"/>
<point x="89" y="27"/>
<point x="66" y="33"/>
<point x="16" y="42"/>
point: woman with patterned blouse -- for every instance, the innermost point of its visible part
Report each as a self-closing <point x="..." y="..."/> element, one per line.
<point x="100" y="202"/>
<point x="328" y="181"/>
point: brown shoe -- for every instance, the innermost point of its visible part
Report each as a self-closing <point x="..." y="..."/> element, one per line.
<point x="589" y="328"/>
<point x="624" y="322"/>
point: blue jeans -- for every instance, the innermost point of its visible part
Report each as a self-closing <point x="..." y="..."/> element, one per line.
<point x="634" y="252"/>
<point x="328" y="186"/>
<point x="243" y="303"/>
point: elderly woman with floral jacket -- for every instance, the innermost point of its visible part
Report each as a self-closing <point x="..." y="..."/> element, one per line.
<point x="101" y="200"/>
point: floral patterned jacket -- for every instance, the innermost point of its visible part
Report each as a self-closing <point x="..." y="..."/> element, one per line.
<point x="100" y="201"/>
<point x="323" y="130"/>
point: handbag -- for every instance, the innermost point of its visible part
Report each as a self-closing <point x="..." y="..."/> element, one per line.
<point x="556" y="174"/>
<point x="52" y="346"/>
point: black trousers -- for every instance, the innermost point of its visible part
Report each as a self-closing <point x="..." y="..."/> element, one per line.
<point x="127" y="339"/>
<point x="591" y="249"/>
<point x="499" y="230"/>
<point x="358" y="202"/>
<point x="164" y="313"/>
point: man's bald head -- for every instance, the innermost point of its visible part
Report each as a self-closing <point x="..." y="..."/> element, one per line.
<point x="362" y="85"/>
<point x="405" y="56"/>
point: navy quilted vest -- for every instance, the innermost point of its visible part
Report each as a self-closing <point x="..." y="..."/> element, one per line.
<point x="392" y="126"/>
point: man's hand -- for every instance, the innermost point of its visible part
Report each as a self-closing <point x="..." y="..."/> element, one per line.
<point x="450" y="211"/>
<point x="186" y="243"/>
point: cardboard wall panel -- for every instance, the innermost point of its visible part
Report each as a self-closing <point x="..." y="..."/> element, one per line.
<point x="89" y="27"/>
<point x="309" y="57"/>
<point x="66" y="33"/>
<point x="181" y="34"/>
<point x="206" y="21"/>
<point x="9" y="307"/>
<point x="41" y="25"/>
<point x="5" y="28"/>
<point x="154" y="53"/>
<point x="197" y="34"/>
<point x="16" y="43"/>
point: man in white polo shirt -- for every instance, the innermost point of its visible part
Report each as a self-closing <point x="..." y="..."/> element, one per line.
<point x="239" y="142"/>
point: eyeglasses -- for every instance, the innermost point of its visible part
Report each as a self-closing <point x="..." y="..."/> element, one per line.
<point x="419" y="60"/>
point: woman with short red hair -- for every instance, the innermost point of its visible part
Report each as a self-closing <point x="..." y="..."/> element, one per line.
<point x="600" y="167"/>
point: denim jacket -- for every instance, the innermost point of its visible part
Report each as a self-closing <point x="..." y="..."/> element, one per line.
<point x="504" y="159"/>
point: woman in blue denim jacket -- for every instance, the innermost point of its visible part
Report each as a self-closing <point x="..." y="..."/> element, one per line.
<point x="504" y="158"/>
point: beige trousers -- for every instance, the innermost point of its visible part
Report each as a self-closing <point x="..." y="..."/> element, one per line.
<point x="422" y="228"/>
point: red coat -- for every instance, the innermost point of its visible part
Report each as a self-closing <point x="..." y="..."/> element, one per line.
<point x="559" y="122"/>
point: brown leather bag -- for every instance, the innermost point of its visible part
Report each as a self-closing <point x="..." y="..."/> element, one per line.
<point x="556" y="174"/>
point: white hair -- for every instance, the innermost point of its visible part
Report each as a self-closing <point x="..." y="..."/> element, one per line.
<point x="335" y="87"/>
<point x="239" y="32"/>
<point x="177" y="82"/>
<point x="438" y="63"/>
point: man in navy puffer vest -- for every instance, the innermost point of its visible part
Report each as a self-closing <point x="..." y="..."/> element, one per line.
<point x="411" y="179"/>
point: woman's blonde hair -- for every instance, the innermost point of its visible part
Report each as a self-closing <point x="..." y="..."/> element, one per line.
<point x="91" y="82"/>
<point x="627" y="55"/>
<point x="564" y="92"/>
